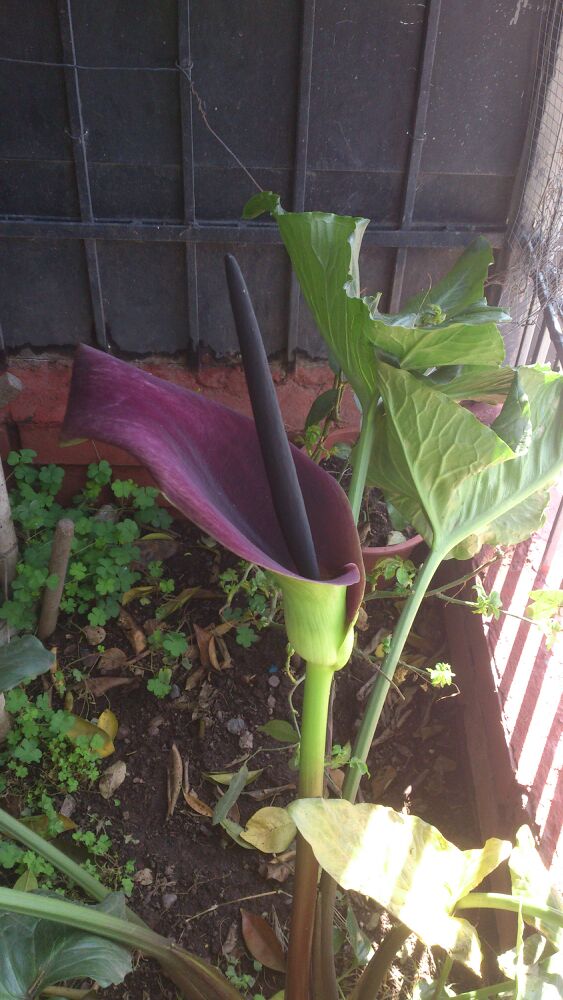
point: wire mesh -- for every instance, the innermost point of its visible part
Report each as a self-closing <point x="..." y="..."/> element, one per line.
<point x="533" y="290"/>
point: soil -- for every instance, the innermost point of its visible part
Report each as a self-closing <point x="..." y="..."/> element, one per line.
<point x="374" y="523"/>
<point x="198" y="877"/>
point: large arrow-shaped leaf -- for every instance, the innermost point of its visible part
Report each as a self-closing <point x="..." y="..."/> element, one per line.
<point x="38" y="953"/>
<point x="460" y="483"/>
<point x="462" y="287"/>
<point x="324" y="250"/>
<point x="21" y="659"/>
<point x="403" y="863"/>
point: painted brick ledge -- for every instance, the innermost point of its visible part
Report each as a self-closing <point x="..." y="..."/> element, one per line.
<point x="33" y="420"/>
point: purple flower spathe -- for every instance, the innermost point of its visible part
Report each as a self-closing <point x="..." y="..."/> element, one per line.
<point x="206" y="460"/>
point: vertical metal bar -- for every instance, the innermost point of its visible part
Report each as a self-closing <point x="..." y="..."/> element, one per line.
<point x="78" y="131"/>
<point x="417" y="143"/>
<point x="301" y="155"/>
<point x="188" y="171"/>
<point x="552" y="547"/>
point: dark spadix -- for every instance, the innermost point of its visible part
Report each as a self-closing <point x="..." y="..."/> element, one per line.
<point x="287" y="497"/>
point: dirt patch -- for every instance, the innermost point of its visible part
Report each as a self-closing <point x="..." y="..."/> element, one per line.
<point x="191" y="877"/>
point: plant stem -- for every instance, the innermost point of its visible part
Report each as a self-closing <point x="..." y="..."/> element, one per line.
<point x="365" y="737"/>
<point x="12" y="828"/>
<point x="361" y="460"/>
<point x="191" y="974"/>
<point x="377" y="968"/>
<point x="485" y="992"/>
<point x="318" y="681"/>
<point x="379" y="693"/>
<point x="442" y="978"/>
<point x="500" y="901"/>
<point x="437" y="591"/>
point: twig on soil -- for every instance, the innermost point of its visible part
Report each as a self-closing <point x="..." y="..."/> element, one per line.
<point x="231" y="902"/>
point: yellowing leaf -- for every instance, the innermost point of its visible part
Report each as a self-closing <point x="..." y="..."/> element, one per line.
<point x="270" y="830"/>
<point x="103" y="743"/>
<point x="134" y="593"/>
<point x="225" y="777"/>
<point x="109" y="723"/>
<point x="40" y="824"/>
<point x="403" y="863"/>
<point x="531" y="881"/>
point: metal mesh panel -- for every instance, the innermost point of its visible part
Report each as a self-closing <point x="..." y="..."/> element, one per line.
<point x="533" y="291"/>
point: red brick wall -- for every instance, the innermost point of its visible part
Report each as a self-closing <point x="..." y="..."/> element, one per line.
<point x="34" y="418"/>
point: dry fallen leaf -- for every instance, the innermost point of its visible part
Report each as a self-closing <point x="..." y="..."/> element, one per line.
<point x="231" y="947"/>
<point x="381" y="781"/>
<point x="278" y="871"/>
<point x="195" y="803"/>
<point x="94" y="634"/>
<point x="156" y="548"/>
<point x="109" y="723"/>
<point x="112" y="778"/>
<point x="97" y="686"/>
<point x="112" y="659"/>
<point x="261" y="941"/>
<point x="175" y="776"/>
<point x="203" y="637"/>
<point x="133" y="631"/>
<point x="144" y="877"/>
<point x="218" y="653"/>
<point x="194" y="678"/>
<point x="271" y="830"/>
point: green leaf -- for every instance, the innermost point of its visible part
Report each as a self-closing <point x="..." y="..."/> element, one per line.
<point x="544" y="604"/>
<point x="38" y="953"/>
<point x="26" y="882"/>
<point x="513" y="423"/>
<point x="462" y="286"/>
<point x="484" y="383"/>
<point x="227" y="801"/>
<point x="403" y="863"/>
<point x="280" y="730"/>
<point x="324" y="250"/>
<point x="321" y="407"/>
<point x="266" y="201"/>
<point x="449" y="343"/>
<point x="452" y="477"/>
<point x="450" y="324"/>
<point x="22" y="659"/>
<point x="531" y="881"/>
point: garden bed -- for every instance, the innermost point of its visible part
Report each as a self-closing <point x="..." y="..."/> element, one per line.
<point x="187" y="877"/>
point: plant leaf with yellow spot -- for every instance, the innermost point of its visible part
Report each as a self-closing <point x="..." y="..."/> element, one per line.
<point x="403" y="863"/>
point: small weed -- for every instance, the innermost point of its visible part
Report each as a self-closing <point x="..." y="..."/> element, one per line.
<point x="257" y="600"/>
<point x="104" y="545"/>
<point x="39" y="758"/>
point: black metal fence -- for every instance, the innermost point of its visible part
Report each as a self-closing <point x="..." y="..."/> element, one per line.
<point x="131" y="132"/>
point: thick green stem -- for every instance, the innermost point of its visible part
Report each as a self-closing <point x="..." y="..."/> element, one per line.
<point x="376" y="970"/>
<point x="93" y="888"/>
<point x="316" y="699"/>
<point x="361" y="460"/>
<point x="515" y="904"/>
<point x="365" y="737"/>
<point x="381" y="687"/>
